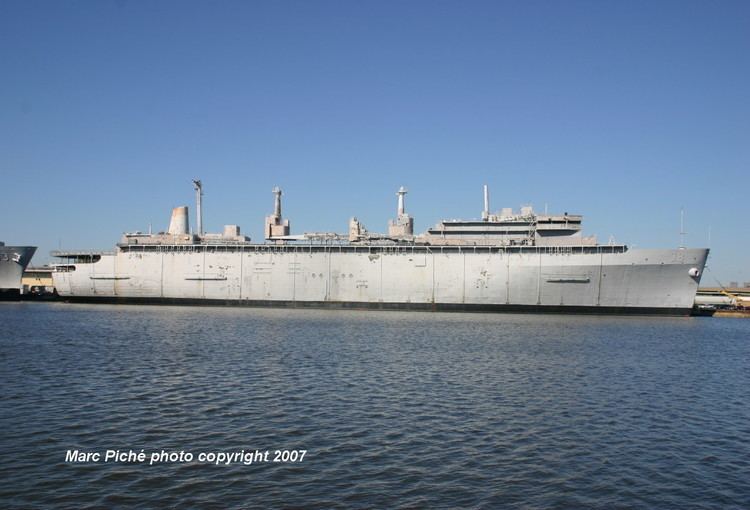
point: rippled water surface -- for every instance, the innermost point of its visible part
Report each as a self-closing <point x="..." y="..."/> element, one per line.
<point x="418" y="410"/>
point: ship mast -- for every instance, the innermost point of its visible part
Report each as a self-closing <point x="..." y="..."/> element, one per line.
<point x="403" y="225"/>
<point x="486" y="212"/>
<point x="400" y="209"/>
<point x="682" y="228"/>
<point x="199" y="205"/>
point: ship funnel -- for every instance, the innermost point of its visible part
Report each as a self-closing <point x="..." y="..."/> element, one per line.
<point x="199" y="205"/>
<point x="179" y="223"/>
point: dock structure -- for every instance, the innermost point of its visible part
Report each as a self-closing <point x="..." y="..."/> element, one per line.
<point x="723" y="298"/>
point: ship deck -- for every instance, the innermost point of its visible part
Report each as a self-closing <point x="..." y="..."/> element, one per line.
<point x="345" y="248"/>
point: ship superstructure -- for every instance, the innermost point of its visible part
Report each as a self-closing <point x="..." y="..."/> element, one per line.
<point x="504" y="228"/>
<point x="504" y="261"/>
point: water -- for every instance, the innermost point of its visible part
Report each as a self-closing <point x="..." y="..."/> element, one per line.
<point x="417" y="410"/>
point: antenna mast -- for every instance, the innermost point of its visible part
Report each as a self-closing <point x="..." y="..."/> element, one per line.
<point x="199" y="204"/>
<point x="486" y="211"/>
<point x="682" y="228"/>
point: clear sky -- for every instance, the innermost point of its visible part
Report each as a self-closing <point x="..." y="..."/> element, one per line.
<point x="622" y="111"/>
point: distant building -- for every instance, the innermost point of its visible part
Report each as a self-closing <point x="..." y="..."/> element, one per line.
<point x="37" y="280"/>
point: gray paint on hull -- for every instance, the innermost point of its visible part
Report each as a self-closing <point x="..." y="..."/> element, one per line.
<point x="523" y="279"/>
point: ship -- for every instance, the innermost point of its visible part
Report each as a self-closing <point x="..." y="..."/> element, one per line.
<point x="13" y="262"/>
<point x="507" y="261"/>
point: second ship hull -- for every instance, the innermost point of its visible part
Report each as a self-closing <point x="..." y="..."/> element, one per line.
<point x="13" y="262"/>
<point x="600" y="279"/>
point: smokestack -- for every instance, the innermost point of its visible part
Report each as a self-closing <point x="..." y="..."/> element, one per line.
<point x="401" y="192"/>
<point x="277" y="201"/>
<point x="179" y="223"/>
<point x="199" y="204"/>
<point x="486" y="212"/>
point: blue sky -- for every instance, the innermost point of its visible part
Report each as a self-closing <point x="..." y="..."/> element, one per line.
<point x="624" y="112"/>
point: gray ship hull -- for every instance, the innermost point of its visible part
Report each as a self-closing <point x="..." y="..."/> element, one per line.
<point x="418" y="307"/>
<point x="13" y="262"/>
<point x="595" y="279"/>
